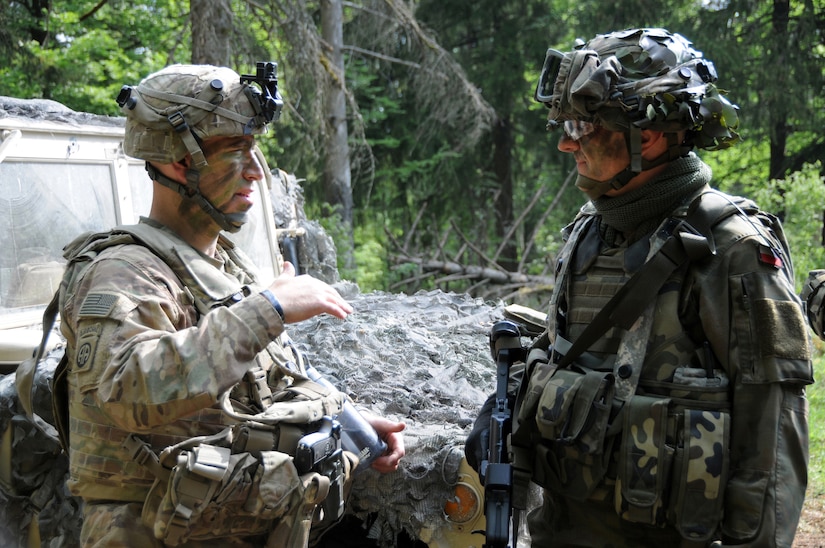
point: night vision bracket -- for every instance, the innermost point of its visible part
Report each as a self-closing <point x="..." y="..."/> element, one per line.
<point x="267" y="102"/>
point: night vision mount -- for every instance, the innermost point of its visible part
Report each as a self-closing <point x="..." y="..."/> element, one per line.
<point x="267" y="102"/>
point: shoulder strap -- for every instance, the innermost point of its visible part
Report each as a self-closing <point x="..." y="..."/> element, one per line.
<point x="25" y="372"/>
<point x="210" y="286"/>
<point x="682" y="240"/>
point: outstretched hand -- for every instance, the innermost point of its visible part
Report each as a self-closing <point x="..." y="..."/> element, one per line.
<point x="390" y="432"/>
<point x="303" y="297"/>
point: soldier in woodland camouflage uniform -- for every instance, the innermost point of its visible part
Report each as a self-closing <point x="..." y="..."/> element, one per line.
<point x="677" y="417"/>
<point x="153" y="342"/>
<point x="813" y="295"/>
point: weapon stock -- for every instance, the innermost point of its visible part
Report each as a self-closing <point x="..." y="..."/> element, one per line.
<point x="496" y="471"/>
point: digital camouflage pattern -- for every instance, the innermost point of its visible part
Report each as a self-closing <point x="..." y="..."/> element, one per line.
<point x="713" y="443"/>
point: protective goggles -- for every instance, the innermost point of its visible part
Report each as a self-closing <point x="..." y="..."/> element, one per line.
<point x="578" y="129"/>
<point x="549" y="74"/>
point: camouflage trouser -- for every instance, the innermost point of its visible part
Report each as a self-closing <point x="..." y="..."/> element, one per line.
<point x="117" y="525"/>
<point x="567" y="523"/>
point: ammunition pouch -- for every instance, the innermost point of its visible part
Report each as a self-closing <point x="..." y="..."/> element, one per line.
<point x="671" y="443"/>
<point x="245" y="481"/>
<point x="573" y="413"/>
<point x="674" y="454"/>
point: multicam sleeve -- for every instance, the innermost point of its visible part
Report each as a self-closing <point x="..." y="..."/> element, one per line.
<point x="143" y="356"/>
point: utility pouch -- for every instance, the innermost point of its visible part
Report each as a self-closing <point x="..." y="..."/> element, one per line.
<point x="244" y="479"/>
<point x="211" y="493"/>
<point x="644" y="461"/>
<point x="574" y="409"/>
<point x="572" y="417"/>
<point x="700" y="474"/>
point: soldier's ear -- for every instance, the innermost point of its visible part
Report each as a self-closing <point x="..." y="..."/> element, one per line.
<point x="655" y="141"/>
<point x="185" y="162"/>
<point x="178" y="169"/>
<point x="175" y="171"/>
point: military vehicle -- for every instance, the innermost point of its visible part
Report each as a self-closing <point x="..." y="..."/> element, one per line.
<point x="423" y="359"/>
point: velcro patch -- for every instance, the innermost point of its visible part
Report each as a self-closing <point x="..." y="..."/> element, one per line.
<point x="780" y="330"/>
<point x="98" y="305"/>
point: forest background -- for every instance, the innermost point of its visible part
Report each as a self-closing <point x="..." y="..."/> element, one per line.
<point x="413" y="124"/>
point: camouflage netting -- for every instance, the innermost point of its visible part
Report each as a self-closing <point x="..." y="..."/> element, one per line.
<point x="46" y="109"/>
<point x="422" y="359"/>
<point x="304" y="241"/>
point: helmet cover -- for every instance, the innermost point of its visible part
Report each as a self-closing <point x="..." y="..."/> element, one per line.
<point x="172" y="109"/>
<point x="647" y="78"/>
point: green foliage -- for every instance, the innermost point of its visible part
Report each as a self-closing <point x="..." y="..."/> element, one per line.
<point x="370" y="255"/>
<point x="81" y="51"/>
<point x="81" y="57"/>
<point x="802" y="197"/>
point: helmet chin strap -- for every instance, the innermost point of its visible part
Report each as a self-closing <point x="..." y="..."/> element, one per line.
<point x="596" y="189"/>
<point x="230" y="222"/>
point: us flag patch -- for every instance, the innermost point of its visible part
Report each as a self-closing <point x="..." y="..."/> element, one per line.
<point x="98" y="305"/>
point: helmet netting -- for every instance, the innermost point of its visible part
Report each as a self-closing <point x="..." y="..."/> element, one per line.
<point x="646" y="78"/>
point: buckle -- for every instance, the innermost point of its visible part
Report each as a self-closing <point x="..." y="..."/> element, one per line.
<point x="178" y="121"/>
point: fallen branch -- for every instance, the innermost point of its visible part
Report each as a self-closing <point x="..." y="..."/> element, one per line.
<point x="472" y="272"/>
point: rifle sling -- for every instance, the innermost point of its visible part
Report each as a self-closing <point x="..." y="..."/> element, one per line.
<point x="25" y="372"/>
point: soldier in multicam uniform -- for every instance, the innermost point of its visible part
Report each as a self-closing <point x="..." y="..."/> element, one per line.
<point x="665" y="404"/>
<point x="166" y="317"/>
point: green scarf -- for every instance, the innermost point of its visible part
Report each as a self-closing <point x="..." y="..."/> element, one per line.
<point x="640" y="211"/>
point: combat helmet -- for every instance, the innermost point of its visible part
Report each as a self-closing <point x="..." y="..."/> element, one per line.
<point x="638" y="79"/>
<point x="172" y="111"/>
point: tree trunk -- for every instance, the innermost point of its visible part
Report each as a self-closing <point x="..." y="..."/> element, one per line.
<point x="502" y="168"/>
<point x="337" y="176"/>
<point x="778" y="109"/>
<point x="211" y="22"/>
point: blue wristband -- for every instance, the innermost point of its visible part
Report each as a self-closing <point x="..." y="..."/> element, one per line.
<point x="274" y="302"/>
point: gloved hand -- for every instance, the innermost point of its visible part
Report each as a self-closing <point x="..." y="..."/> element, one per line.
<point x="478" y="441"/>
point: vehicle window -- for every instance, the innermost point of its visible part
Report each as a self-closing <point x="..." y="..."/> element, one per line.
<point x="46" y="205"/>
<point x="141" y="189"/>
<point x="254" y="240"/>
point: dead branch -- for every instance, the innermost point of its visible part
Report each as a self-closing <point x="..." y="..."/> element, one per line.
<point x="472" y="272"/>
<point x="518" y="222"/>
<point x="529" y="245"/>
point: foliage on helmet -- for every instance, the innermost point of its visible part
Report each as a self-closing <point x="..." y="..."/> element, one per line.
<point x="173" y="109"/>
<point x="647" y="78"/>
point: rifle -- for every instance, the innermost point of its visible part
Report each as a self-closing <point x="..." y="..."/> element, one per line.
<point x="496" y="471"/>
<point x="321" y="452"/>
